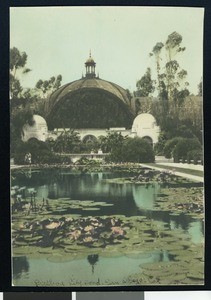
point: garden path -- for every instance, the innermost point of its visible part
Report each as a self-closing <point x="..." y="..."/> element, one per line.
<point x="181" y="174"/>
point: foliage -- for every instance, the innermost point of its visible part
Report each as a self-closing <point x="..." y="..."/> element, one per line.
<point x="33" y="146"/>
<point x="184" y="146"/>
<point x="113" y="143"/>
<point x="17" y="120"/>
<point x="187" y="122"/>
<point x="23" y="102"/>
<point x="200" y="88"/>
<point x="39" y="151"/>
<point x="87" y="162"/>
<point x="49" y="86"/>
<point x="15" y="87"/>
<point x="145" y="86"/>
<point x="132" y="150"/>
<point x="18" y="61"/>
<point x="137" y="150"/>
<point x="156" y="51"/>
<point x="171" y="83"/>
<point x="24" y="98"/>
<point x="143" y="105"/>
<point x="159" y="146"/>
<point x="67" y="142"/>
<point x="169" y="147"/>
<point x="195" y="156"/>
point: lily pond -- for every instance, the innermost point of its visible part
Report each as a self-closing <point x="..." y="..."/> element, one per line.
<point x="106" y="227"/>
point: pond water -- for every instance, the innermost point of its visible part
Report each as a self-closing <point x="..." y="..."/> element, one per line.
<point x="129" y="200"/>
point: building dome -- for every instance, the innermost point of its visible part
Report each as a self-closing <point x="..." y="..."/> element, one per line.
<point x="39" y="121"/>
<point x="89" y="102"/>
<point x="145" y="126"/>
<point x="144" y="120"/>
<point x="36" y="129"/>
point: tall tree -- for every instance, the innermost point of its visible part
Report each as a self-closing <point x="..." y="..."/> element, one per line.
<point x="18" y="61"/>
<point x="172" y="84"/>
<point x="175" y="76"/>
<point x="156" y="51"/>
<point x="145" y="86"/>
<point x="200" y="88"/>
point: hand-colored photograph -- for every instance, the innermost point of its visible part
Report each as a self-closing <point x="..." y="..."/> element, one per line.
<point x="106" y="146"/>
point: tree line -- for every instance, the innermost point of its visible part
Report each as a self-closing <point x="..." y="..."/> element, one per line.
<point x="177" y="111"/>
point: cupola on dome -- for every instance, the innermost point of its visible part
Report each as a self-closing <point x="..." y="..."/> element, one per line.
<point x="90" y="60"/>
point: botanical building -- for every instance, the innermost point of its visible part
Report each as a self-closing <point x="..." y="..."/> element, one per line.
<point x="92" y="107"/>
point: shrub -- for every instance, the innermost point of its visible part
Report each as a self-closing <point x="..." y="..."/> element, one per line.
<point x="137" y="150"/>
<point x="169" y="147"/>
<point x="195" y="155"/>
<point x="159" y="146"/>
<point x="39" y="151"/>
<point x="183" y="147"/>
<point x="87" y="162"/>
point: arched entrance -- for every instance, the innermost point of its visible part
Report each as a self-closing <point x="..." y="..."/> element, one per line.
<point x="149" y="140"/>
<point x="89" y="138"/>
<point x="90" y="143"/>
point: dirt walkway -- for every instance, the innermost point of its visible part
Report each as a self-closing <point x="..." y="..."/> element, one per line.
<point x="181" y="165"/>
<point x="181" y="174"/>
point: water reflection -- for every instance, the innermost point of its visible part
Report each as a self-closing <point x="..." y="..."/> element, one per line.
<point x="125" y="199"/>
<point x="145" y="196"/>
<point x="93" y="259"/>
<point x="20" y="266"/>
<point x="104" y="269"/>
<point x="195" y="230"/>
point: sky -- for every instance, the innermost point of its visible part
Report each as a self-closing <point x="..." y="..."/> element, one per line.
<point x="58" y="40"/>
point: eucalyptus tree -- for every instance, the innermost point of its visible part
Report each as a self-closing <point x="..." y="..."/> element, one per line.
<point x="172" y="84"/>
<point x="18" y="61"/>
<point x="200" y="88"/>
<point x="156" y="51"/>
<point x="47" y="87"/>
<point x="145" y="86"/>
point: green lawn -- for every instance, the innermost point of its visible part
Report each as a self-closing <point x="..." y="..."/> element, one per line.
<point x="177" y="169"/>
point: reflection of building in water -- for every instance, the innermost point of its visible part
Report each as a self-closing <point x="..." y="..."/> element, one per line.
<point x="20" y="266"/>
<point x="144" y="196"/>
<point x="93" y="107"/>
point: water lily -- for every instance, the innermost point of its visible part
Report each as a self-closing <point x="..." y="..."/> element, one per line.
<point x="88" y="228"/>
<point x="53" y="225"/>
<point x="117" y="230"/>
<point x="88" y="239"/>
<point x="75" y="234"/>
